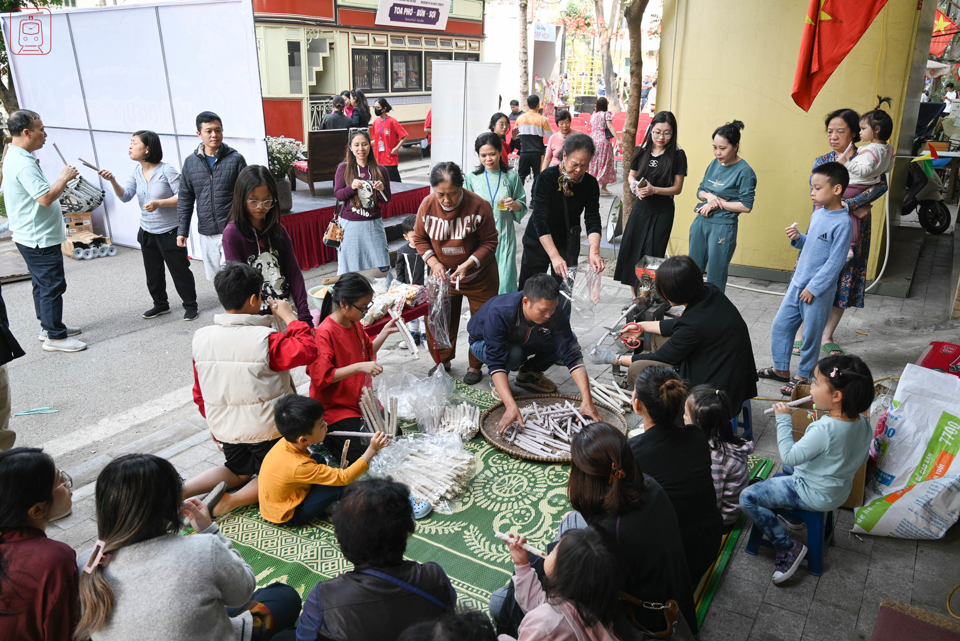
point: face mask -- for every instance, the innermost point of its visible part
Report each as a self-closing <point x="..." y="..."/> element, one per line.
<point x="459" y="200"/>
<point x="377" y="110"/>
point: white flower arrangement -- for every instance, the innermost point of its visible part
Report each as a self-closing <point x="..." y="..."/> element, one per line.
<point x="281" y="154"/>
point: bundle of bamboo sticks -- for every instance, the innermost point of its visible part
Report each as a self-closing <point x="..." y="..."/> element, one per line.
<point x="370" y="410"/>
<point x="405" y="334"/>
<point x="548" y="429"/>
<point x="462" y="420"/>
<point x="611" y="394"/>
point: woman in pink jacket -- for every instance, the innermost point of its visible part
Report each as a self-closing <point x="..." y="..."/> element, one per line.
<point x="580" y="597"/>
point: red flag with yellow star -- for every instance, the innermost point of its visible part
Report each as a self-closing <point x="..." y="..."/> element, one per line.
<point x="944" y="29"/>
<point x="831" y="30"/>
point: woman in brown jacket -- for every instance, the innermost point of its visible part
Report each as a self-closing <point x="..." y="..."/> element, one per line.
<point x="457" y="237"/>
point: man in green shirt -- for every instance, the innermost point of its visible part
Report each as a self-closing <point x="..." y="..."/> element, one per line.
<point x="36" y="220"/>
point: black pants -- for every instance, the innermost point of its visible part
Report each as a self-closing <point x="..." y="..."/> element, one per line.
<point x="529" y="162"/>
<point x="160" y="249"/>
<point x="394" y="172"/>
<point x="358" y="446"/>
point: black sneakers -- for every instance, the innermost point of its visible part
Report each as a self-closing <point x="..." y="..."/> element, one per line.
<point x="156" y="310"/>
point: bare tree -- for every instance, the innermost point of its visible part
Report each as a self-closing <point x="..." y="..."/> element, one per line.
<point x="633" y="13"/>
<point x="605" y="31"/>
<point x="524" y="69"/>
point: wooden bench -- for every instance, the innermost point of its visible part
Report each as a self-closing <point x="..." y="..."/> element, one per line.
<point x="325" y="151"/>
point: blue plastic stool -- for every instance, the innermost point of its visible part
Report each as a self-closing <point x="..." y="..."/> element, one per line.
<point x="819" y="536"/>
<point x="744" y="420"/>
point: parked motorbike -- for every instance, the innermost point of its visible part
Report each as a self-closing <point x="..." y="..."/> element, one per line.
<point x="925" y="198"/>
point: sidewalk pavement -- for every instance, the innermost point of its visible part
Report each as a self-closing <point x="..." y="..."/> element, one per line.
<point x="858" y="571"/>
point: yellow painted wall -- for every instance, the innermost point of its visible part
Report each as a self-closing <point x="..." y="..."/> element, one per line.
<point x="721" y="61"/>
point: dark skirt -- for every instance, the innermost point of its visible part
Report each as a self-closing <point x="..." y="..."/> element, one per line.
<point x="646" y="234"/>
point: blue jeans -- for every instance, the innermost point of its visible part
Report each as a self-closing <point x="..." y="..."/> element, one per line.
<point x="761" y="499"/>
<point x="711" y="247"/>
<point x="520" y="357"/>
<point x="49" y="284"/>
<point x="794" y="312"/>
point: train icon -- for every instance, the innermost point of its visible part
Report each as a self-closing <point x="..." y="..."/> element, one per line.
<point x="32" y="33"/>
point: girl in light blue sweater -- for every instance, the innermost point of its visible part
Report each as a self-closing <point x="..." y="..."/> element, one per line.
<point x="824" y="460"/>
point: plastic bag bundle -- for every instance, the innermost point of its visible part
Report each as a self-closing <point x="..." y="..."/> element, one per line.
<point x="417" y="398"/>
<point x="586" y="289"/>
<point x="438" y="318"/>
<point x="435" y="467"/>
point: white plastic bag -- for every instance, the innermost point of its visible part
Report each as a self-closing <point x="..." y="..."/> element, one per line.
<point x="915" y="492"/>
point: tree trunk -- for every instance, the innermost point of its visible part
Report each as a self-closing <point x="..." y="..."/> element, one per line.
<point x="605" y="32"/>
<point x="524" y="70"/>
<point x="634" y="17"/>
<point x="8" y="96"/>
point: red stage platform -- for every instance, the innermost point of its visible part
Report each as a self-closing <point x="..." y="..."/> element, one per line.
<point x="310" y="217"/>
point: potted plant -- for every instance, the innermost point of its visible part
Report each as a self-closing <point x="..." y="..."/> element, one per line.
<point x="281" y="154"/>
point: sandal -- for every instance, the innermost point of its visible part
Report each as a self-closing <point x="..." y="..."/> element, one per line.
<point x="831" y="349"/>
<point x="796" y="347"/>
<point x="787" y="388"/>
<point x="771" y="373"/>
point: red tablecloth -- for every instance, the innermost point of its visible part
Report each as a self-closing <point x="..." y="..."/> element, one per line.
<point x="306" y="229"/>
<point x="408" y="314"/>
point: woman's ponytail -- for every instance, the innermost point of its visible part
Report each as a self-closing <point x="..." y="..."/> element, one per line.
<point x="663" y="393"/>
<point x="97" y="600"/>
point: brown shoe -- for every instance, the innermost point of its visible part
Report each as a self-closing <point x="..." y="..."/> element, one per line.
<point x="535" y="382"/>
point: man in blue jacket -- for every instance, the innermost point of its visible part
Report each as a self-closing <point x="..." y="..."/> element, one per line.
<point x="521" y="331"/>
<point x="207" y="179"/>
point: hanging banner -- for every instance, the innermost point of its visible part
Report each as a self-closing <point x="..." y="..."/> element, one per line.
<point x="422" y="14"/>
<point x="544" y="32"/>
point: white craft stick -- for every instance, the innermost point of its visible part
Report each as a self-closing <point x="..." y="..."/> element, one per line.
<point x="406" y="335"/>
<point x="509" y="538"/>
<point x="352" y="434"/>
<point x="799" y="401"/>
<point x="88" y="164"/>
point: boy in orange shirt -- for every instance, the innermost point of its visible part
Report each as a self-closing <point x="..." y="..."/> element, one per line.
<point x="294" y="487"/>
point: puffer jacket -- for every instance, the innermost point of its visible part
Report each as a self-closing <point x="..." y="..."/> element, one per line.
<point x="212" y="191"/>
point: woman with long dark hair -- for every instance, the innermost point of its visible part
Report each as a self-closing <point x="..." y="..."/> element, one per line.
<point x="656" y="176"/>
<point x="363" y="186"/>
<point x="346" y="358"/>
<point x="254" y="236"/>
<point x="142" y="580"/>
<point x="678" y="457"/>
<point x="500" y="125"/>
<point x="727" y="190"/>
<point x="494" y="181"/>
<point x="360" y="117"/>
<point x="38" y="576"/>
<point x="155" y="184"/>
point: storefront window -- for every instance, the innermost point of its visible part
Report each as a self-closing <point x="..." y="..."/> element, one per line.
<point x="469" y="57"/>
<point x="369" y="70"/>
<point x="405" y="71"/>
<point x="294" y="66"/>
<point x="428" y="58"/>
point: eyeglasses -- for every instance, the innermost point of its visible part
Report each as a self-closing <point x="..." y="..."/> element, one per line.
<point x="362" y="309"/>
<point x="266" y="204"/>
<point x="64" y="479"/>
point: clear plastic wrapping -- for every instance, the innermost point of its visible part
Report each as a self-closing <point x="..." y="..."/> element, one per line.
<point x="417" y="398"/>
<point x="438" y="318"/>
<point x="435" y="467"/>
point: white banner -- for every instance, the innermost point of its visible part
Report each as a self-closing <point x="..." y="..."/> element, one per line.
<point x="420" y="14"/>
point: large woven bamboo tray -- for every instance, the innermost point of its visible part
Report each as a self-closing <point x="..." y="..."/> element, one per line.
<point x="490" y="418"/>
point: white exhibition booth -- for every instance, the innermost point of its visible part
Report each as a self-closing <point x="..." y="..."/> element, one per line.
<point x="111" y="71"/>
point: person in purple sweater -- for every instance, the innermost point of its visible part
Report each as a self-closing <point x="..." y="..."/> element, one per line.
<point x="254" y="236"/>
<point x="363" y="187"/>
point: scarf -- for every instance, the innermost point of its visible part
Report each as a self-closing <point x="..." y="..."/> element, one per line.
<point x="564" y="182"/>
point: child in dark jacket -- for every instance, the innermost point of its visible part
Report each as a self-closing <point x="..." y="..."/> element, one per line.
<point x="410" y="270"/>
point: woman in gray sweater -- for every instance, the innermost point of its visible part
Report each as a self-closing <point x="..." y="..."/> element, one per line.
<point x="143" y="581"/>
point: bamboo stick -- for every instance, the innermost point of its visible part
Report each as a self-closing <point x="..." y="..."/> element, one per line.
<point x="343" y="455"/>
<point x="509" y="538"/>
<point x="799" y="401"/>
<point x="352" y="434"/>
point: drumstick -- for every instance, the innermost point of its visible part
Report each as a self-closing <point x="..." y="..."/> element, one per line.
<point x="57" y="149"/>
<point x="87" y="164"/>
<point x="509" y="538"/>
<point x="799" y="401"/>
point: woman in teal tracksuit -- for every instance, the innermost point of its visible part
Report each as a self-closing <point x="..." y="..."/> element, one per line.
<point x="727" y="190"/>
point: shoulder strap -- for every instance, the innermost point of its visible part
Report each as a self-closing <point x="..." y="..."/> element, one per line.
<point x="400" y="583"/>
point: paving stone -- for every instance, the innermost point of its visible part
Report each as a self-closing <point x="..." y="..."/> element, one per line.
<point x="931" y="591"/>
<point x="776" y="624"/>
<point x="844" y="575"/>
<point x="726" y="625"/>
<point x="737" y="594"/>
<point x="828" y="622"/>
<point x="796" y="595"/>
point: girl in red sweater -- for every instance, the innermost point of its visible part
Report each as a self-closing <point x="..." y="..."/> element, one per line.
<point x="346" y="358"/>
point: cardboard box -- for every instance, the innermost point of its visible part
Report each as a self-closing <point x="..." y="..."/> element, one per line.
<point x="805" y="414"/>
<point x="78" y="222"/>
<point x="80" y="240"/>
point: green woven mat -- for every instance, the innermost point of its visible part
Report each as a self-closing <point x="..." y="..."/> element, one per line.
<point x="504" y="494"/>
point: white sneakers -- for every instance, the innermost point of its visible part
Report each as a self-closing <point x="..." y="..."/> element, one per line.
<point x="67" y="344"/>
